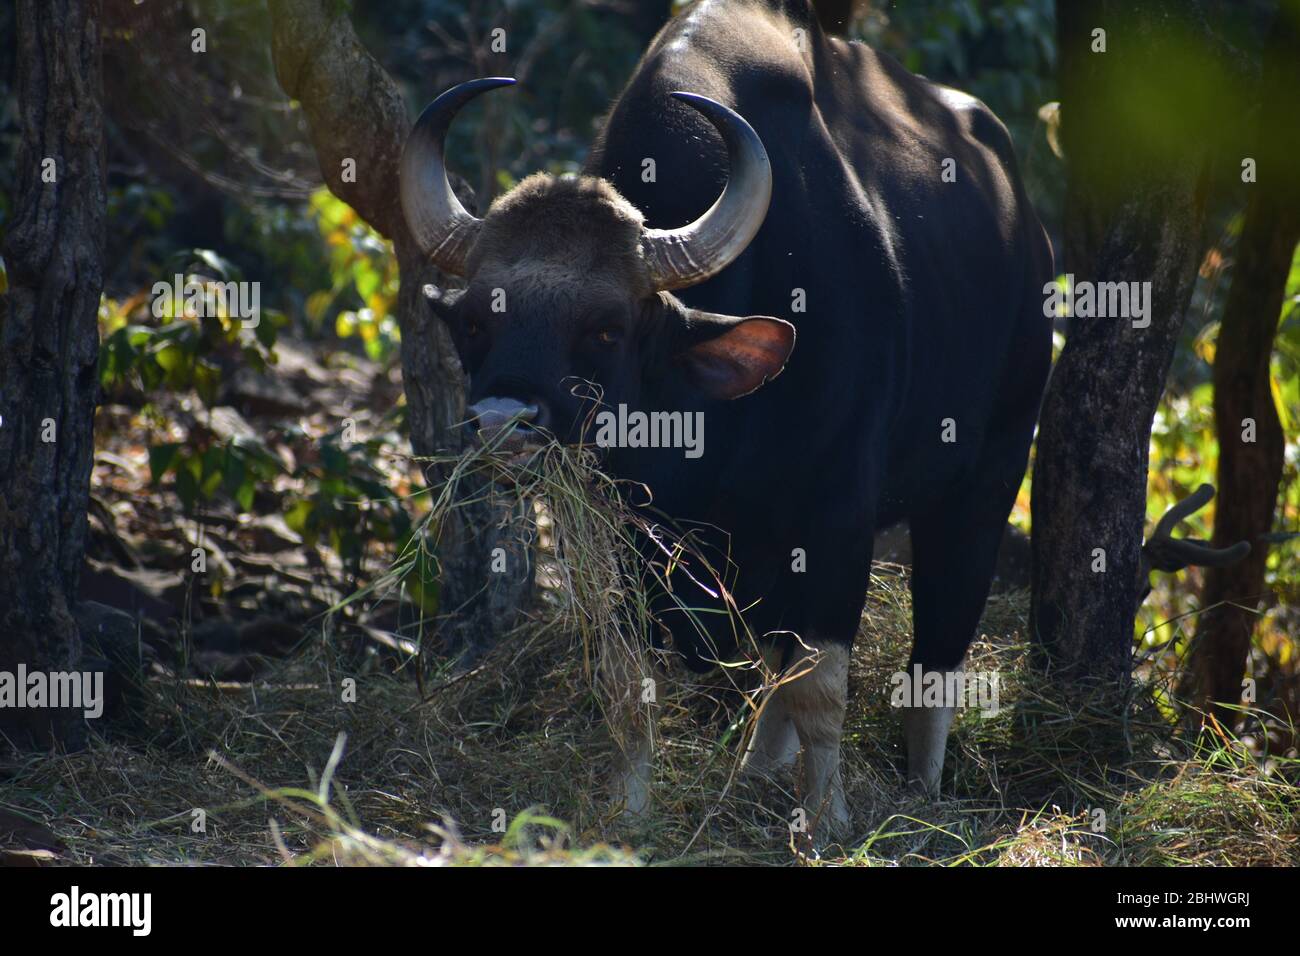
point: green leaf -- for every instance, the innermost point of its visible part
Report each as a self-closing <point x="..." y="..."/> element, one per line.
<point x="334" y="459"/>
<point x="187" y="488"/>
<point x="233" y="472"/>
<point x="207" y="380"/>
<point x="170" y="357"/>
<point x="297" y="516"/>
<point x="161" y="458"/>
<point x="244" y="495"/>
<point x="367" y="281"/>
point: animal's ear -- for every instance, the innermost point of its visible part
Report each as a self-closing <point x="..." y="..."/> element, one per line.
<point x="728" y="357"/>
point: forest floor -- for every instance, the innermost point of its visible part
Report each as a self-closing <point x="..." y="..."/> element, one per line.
<point x="284" y="769"/>
<point x="266" y="724"/>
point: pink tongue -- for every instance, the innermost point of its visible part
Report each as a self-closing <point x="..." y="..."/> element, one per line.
<point x="497" y="414"/>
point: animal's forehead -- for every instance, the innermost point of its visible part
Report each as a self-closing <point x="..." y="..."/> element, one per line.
<point x="565" y="202"/>
<point x="576" y="251"/>
<point x="578" y="244"/>
<point x="550" y="232"/>
<point x="563" y="268"/>
<point x="530" y="285"/>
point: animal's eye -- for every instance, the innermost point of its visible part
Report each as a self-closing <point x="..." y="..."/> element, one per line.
<point x="608" y="336"/>
<point x="471" y="328"/>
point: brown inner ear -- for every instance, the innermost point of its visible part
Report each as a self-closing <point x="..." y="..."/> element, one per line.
<point x="749" y="353"/>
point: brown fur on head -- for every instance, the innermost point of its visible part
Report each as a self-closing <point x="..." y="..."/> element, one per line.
<point x="572" y="224"/>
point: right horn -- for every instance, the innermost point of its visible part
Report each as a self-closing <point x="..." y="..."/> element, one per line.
<point x="681" y="257"/>
<point x="443" y="229"/>
<point x="1164" y="552"/>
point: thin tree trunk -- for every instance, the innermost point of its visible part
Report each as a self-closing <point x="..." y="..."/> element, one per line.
<point x="1136" y="211"/>
<point x="49" y="348"/>
<point x="1250" y="465"/>
<point x="358" y="125"/>
<point x="355" y="112"/>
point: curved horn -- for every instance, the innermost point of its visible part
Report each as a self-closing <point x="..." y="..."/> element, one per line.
<point x="681" y="257"/>
<point x="442" y="228"/>
<point x="1191" y="552"/>
<point x="1193" y="503"/>
<point x="1164" y="552"/>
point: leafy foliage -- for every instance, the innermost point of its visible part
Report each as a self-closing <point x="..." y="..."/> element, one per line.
<point x="363" y="293"/>
<point x="196" y="331"/>
<point x="157" y="344"/>
<point x="348" y="504"/>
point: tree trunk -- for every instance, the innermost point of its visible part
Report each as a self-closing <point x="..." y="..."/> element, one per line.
<point x="49" y="348"/>
<point x="1135" y="204"/>
<point x="1090" y="474"/>
<point x="1250" y="470"/>
<point x="476" y="605"/>
<point x="355" y="111"/>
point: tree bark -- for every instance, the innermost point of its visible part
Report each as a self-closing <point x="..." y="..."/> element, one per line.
<point x="49" y="348"/>
<point x="1135" y="203"/>
<point x="1090" y="474"/>
<point x="355" y="111"/>
<point x="1249" y="472"/>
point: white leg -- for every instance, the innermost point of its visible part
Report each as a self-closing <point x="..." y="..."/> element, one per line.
<point x="816" y="703"/>
<point x="774" y="744"/>
<point x="808" y="711"/>
<point x="925" y="728"/>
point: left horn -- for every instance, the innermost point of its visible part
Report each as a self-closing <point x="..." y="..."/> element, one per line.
<point x="682" y="257"/>
<point x="443" y="229"/>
